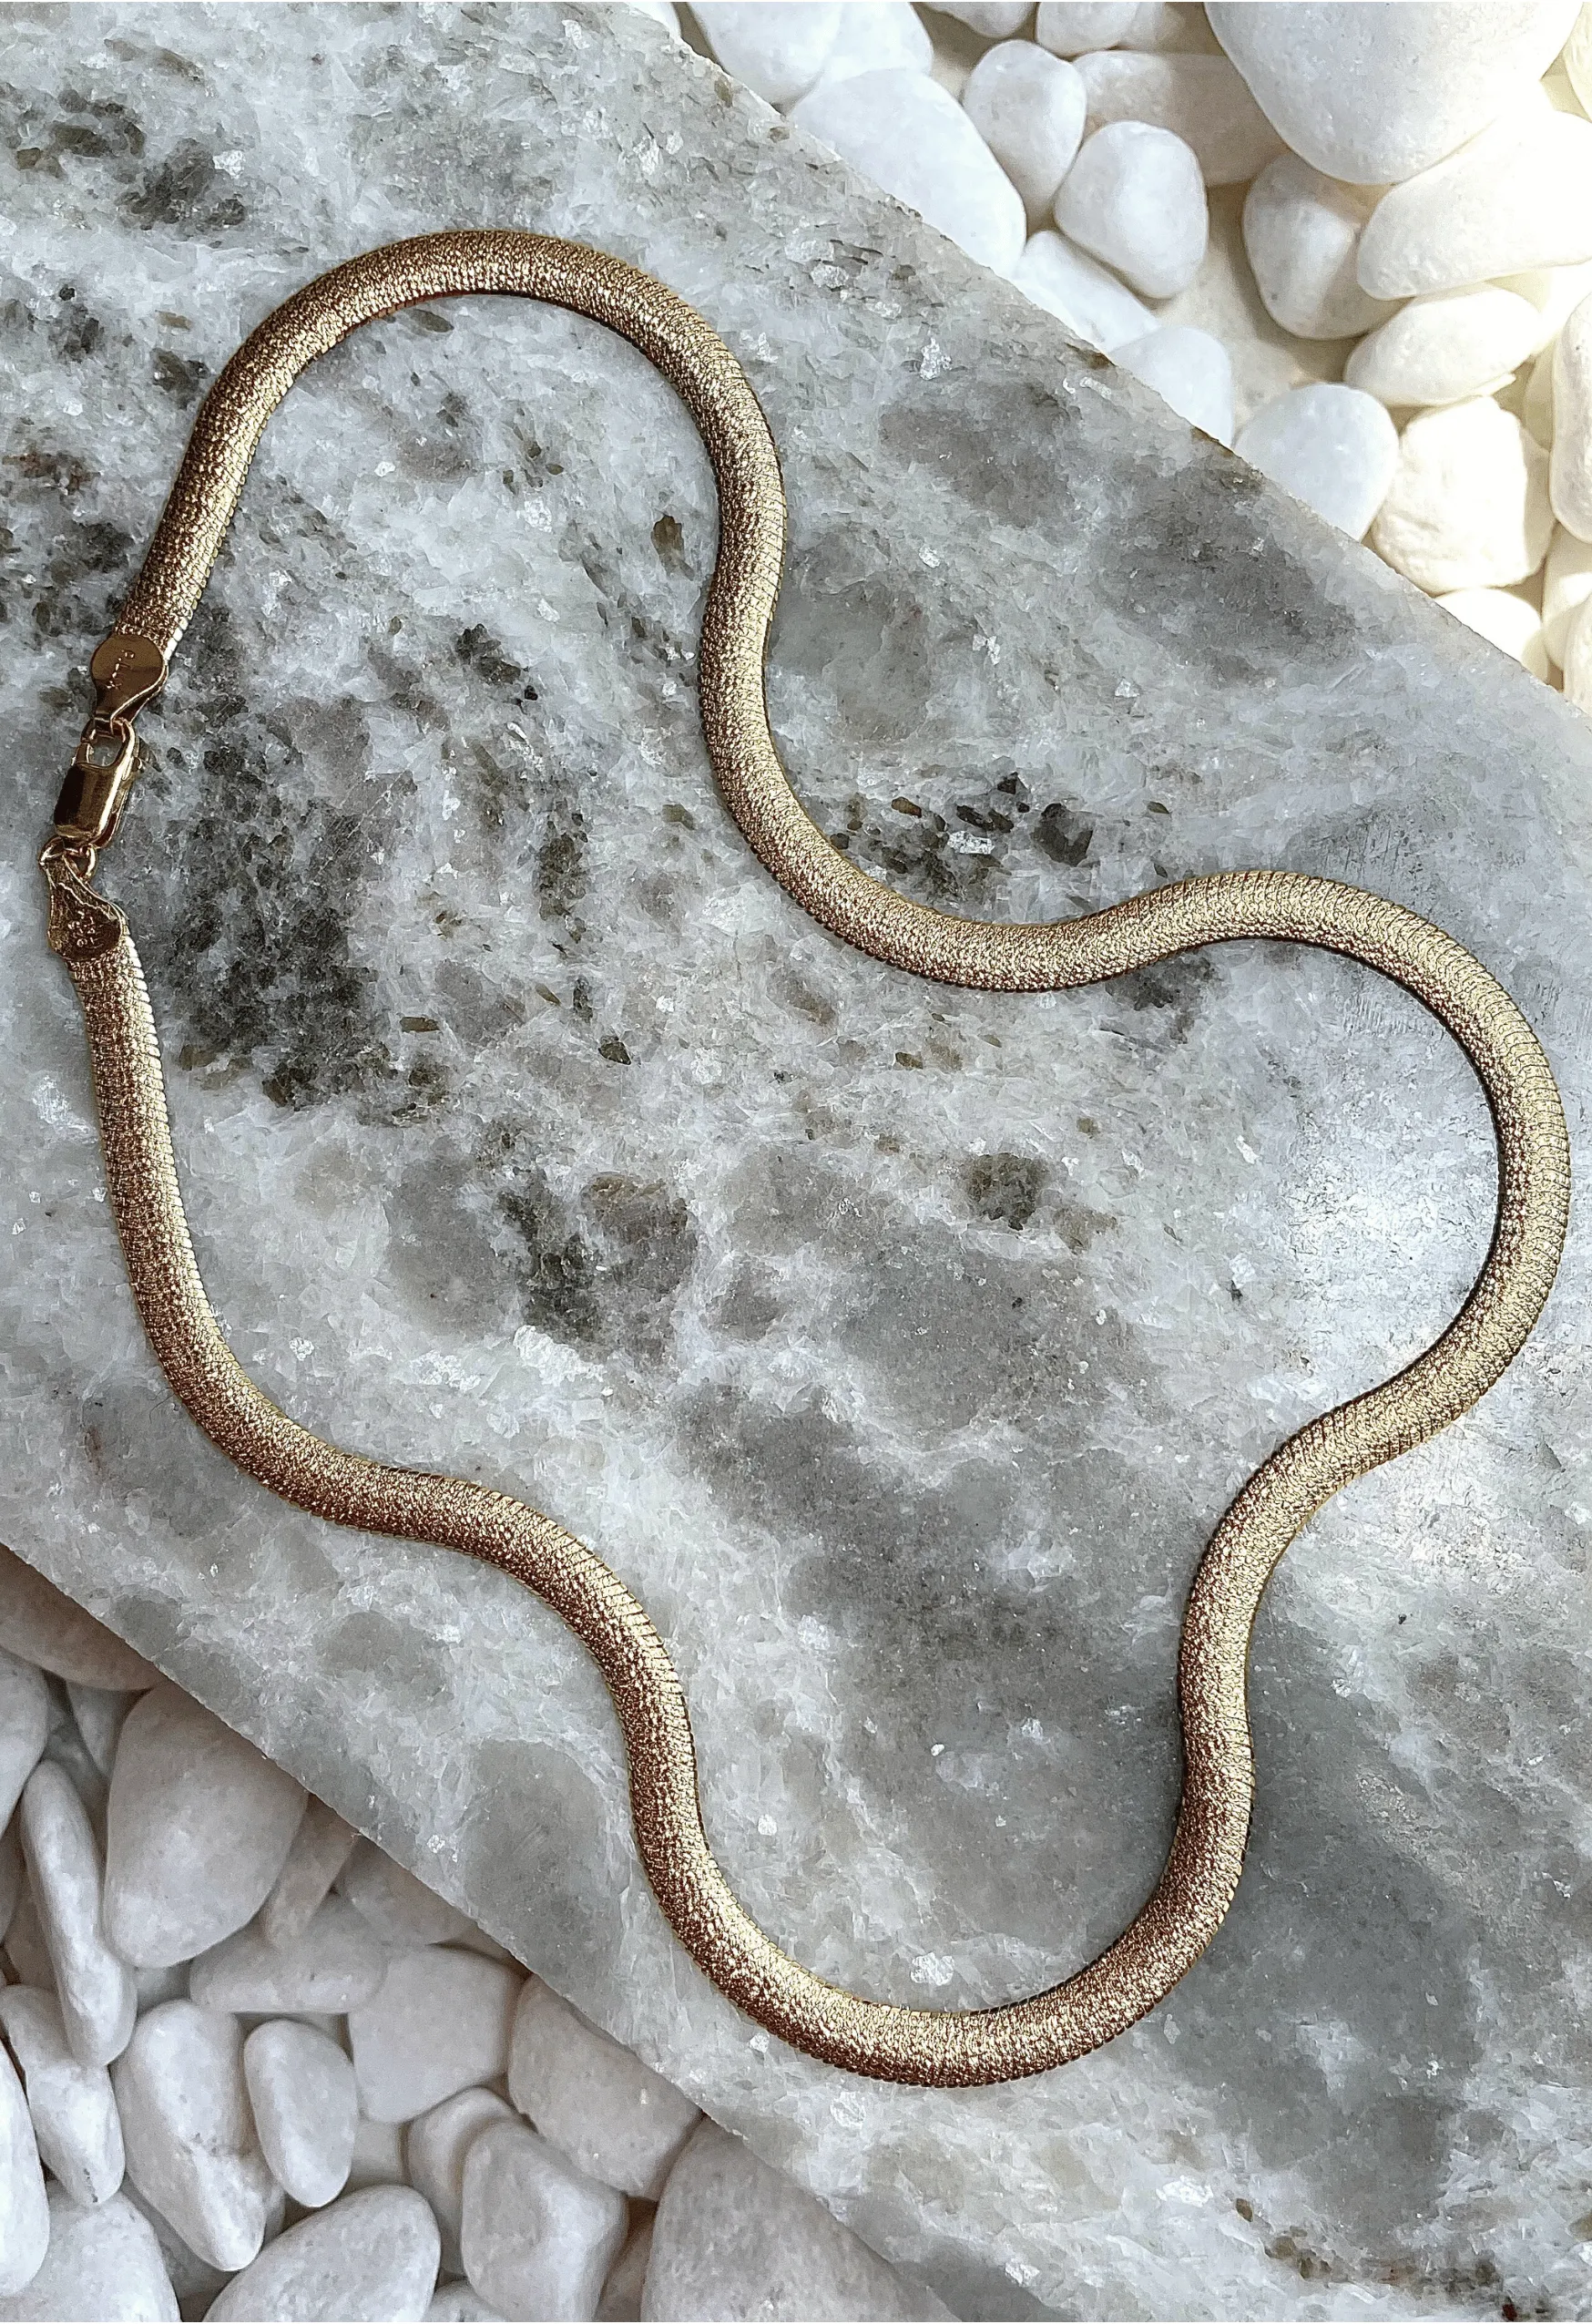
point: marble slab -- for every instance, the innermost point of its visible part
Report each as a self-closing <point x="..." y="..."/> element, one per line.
<point x="900" y="1345"/>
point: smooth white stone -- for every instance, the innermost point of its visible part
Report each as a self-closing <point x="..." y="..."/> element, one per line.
<point x="1301" y="234"/>
<point x="25" y="1727"/>
<point x="733" y="2238"/>
<point x="1505" y="621"/>
<point x="1094" y="305"/>
<point x="98" y="1998"/>
<point x="73" y="2107"/>
<point x="434" y="2147"/>
<point x="193" y="2280"/>
<point x="1072" y="27"/>
<point x="1444" y="348"/>
<point x="403" y="1911"/>
<point x="878" y="36"/>
<point x="336" y="1964"/>
<point x="321" y="1847"/>
<point x="199" y="1826"/>
<point x="441" y="2022"/>
<point x="25" y="2219"/>
<point x="1376" y="94"/>
<point x="538" y="2236"/>
<point x="1555" y="292"/>
<point x="1329" y="446"/>
<point x="1171" y="26"/>
<point x="1578" y="660"/>
<point x="105" y="2264"/>
<point x="913" y="138"/>
<point x="306" y="2109"/>
<point x="65" y="1749"/>
<point x="1516" y="198"/>
<point x="1201" y="99"/>
<point x="1028" y="107"/>
<point x="1468" y="505"/>
<point x="1566" y="584"/>
<point x="1570" y="468"/>
<point x="592" y="2098"/>
<point x="98" y="1712"/>
<point x="991" y="19"/>
<point x="38" y="1624"/>
<point x="368" y="2258"/>
<point x="459" y="2303"/>
<point x="1577" y="59"/>
<point x="626" y="2280"/>
<point x="189" y="2135"/>
<point x="378" y="2154"/>
<point x="1135" y="199"/>
<point x="777" y="47"/>
<point x="1189" y="369"/>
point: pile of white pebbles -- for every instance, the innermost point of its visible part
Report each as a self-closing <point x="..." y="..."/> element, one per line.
<point x="1353" y="241"/>
<point x="252" y="2069"/>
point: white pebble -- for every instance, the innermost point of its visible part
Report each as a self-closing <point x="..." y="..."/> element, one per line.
<point x="198" y="1825"/>
<point x="25" y="2219"/>
<point x="98" y="1712"/>
<point x="105" y="2264"/>
<point x="441" y="2022"/>
<point x="1505" y="621"/>
<point x="75" y="2119"/>
<point x="1189" y="369"/>
<point x="777" y="47"/>
<point x="991" y="19"/>
<point x="373" y="2255"/>
<point x="25" y="1727"/>
<point x="733" y="2238"/>
<point x="322" y="1846"/>
<point x="334" y="1965"/>
<point x="1570" y="469"/>
<point x="1578" y="660"/>
<point x="878" y="36"/>
<point x="306" y="2109"/>
<point x="39" y="1624"/>
<point x="1376" y="94"/>
<point x="189" y="2135"/>
<point x="401" y="1910"/>
<point x="1094" y="305"/>
<point x="1200" y="99"/>
<point x="1515" y="200"/>
<point x="1566" y="584"/>
<point x="1028" y="107"/>
<point x="592" y="2099"/>
<point x="1329" y="446"/>
<point x="97" y="1996"/>
<point x="1072" y="27"/>
<point x="538" y="2236"/>
<point x="193" y="2280"/>
<point x="1468" y="505"/>
<point x="1301" y="232"/>
<point x="662" y="12"/>
<point x="911" y="137"/>
<point x="435" y="2148"/>
<point x="1135" y="199"/>
<point x="1444" y="348"/>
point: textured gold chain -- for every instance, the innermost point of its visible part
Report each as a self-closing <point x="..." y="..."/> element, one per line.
<point x="936" y="2046"/>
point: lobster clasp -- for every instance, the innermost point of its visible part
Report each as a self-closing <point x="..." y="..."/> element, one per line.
<point x="127" y="671"/>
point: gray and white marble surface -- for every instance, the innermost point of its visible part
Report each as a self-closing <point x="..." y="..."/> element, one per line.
<point x="900" y="1345"/>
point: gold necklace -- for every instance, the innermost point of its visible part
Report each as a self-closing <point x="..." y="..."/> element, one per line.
<point x="944" y="2047"/>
